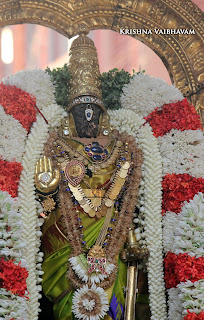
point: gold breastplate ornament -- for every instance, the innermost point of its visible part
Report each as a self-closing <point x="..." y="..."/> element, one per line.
<point x="74" y="165"/>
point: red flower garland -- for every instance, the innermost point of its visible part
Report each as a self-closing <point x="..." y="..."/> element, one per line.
<point x="180" y="115"/>
<point x="19" y="104"/>
<point x="178" y="188"/>
<point x="194" y="316"/>
<point x="13" y="277"/>
<point x="9" y="176"/>
<point x="182" y="267"/>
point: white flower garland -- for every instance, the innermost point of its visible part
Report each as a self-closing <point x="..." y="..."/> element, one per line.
<point x="145" y="93"/>
<point x="28" y="210"/>
<point x="12" y="306"/>
<point x="12" y="137"/>
<point x="175" y="304"/>
<point x="39" y="83"/>
<point x="192" y="296"/>
<point x="183" y="152"/>
<point x="186" y="296"/>
<point x="150" y="218"/>
<point x="11" y="244"/>
<point x="186" y="230"/>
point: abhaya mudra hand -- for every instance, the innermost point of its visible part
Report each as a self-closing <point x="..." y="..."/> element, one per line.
<point x="46" y="179"/>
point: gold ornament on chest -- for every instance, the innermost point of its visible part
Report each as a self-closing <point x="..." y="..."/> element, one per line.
<point x="96" y="200"/>
<point x="74" y="172"/>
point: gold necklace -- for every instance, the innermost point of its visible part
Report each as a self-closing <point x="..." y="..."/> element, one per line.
<point x="109" y="197"/>
<point x="98" y="208"/>
<point x="62" y="147"/>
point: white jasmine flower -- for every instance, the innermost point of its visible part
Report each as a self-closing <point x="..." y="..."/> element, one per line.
<point x="145" y="93"/>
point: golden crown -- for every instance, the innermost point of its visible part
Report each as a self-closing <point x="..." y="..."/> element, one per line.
<point x="85" y="74"/>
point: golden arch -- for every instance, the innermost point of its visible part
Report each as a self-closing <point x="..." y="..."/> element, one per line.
<point x="182" y="54"/>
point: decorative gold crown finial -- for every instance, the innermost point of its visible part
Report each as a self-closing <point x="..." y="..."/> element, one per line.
<point x="84" y="70"/>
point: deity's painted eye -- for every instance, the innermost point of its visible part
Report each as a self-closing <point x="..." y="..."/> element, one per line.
<point x="88" y="113"/>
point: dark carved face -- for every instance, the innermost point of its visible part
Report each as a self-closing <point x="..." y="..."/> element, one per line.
<point x="85" y="128"/>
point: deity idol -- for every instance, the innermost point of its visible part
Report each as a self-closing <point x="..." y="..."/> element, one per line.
<point x="87" y="183"/>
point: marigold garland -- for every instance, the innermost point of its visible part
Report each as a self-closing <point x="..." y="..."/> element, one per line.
<point x="10" y="175"/>
<point x="19" y="104"/>
<point x="13" y="277"/>
<point x="182" y="267"/>
<point x="178" y="188"/>
<point x="180" y="115"/>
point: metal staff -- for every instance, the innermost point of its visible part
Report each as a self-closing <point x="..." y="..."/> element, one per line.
<point x="132" y="254"/>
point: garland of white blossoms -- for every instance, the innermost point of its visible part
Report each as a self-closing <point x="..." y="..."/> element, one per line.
<point x="12" y="137"/>
<point x="39" y="83"/>
<point x="183" y="152"/>
<point x="183" y="233"/>
<point x="145" y="93"/>
<point x="149" y="231"/>
<point x="11" y="246"/>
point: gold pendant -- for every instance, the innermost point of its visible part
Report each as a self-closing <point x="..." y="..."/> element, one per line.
<point x="96" y="260"/>
<point x="74" y="172"/>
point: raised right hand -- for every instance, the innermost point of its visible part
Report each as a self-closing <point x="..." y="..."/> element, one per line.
<point x="46" y="179"/>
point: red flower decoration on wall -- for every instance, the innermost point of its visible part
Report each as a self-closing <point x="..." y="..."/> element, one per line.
<point x="9" y="176"/>
<point x="178" y="188"/>
<point x="19" y="104"/>
<point x="180" y="115"/>
<point x="182" y="267"/>
<point x="13" y="277"/>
